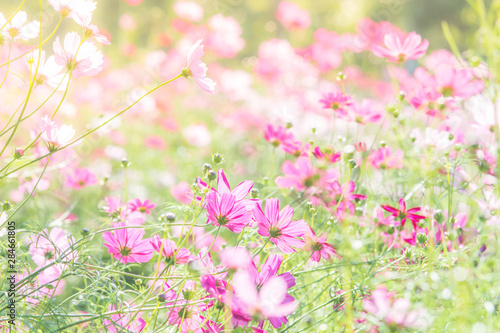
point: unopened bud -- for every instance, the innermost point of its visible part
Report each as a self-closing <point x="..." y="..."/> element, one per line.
<point x="254" y="193"/>
<point x="85" y="232"/>
<point x="422" y="238"/>
<point x="125" y="163"/>
<point x="212" y="175"/>
<point x="18" y="153"/>
<point x="217" y="158"/>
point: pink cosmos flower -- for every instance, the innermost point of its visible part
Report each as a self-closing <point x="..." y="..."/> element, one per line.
<point x="277" y="135"/>
<point x="127" y="245"/>
<point x="16" y="29"/>
<point x="365" y="112"/>
<point x="292" y="16"/>
<point x="235" y="257"/>
<point x="403" y="214"/>
<point x="80" y="179"/>
<point x="343" y="196"/>
<point x="189" y="10"/>
<point x="168" y="249"/>
<point x="81" y="58"/>
<point x="224" y="37"/>
<point x="338" y="102"/>
<point x="123" y="322"/>
<point x="91" y="30"/>
<point x="384" y="158"/>
<point x="328" y="155"/>
<point x="141" y="206"/>
<point x="279" y="227"/>
<point x="296" y="148"/>
<point x="53" y="135"/>
<point x="229" y="208"/>
<point x="113" y="205"/>
<point x="429" y="101"/>
<point x="267" y="301"/>
<point x="385" y="306"/>
<point x="318" y="246"/>
<point x="397" y="50"/>
<point x="182" y="192"/>
<point x="52" y="246"/>
<point x="301" y="175"/>
<point x="156" y="142"/>
<point x="197" y="69"/>
<point x="450" y="81"/>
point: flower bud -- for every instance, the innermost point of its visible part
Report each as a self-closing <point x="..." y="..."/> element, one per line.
<point x="439" y="216"/>
<point x="422" y="238"/>
<point x="207" y="167"/>
<point x="138" y="282"/>
<point x="162" y="297"/>
<point x="313" y="130"/>
<point x="352" y="164"/>
<point x="382" y="143"/>
<point x="254" y="193"/>
<point x="341" y="76"/>
<point x="18" y="153"/>
<point x="401" y="95"/>
<point x="170" y="217"/>
<point x="289" y="124"/>
<point x="408" y="253"/>
<point x="212" y="175"/>
<point x="125" y="163"/>
<point x="85" y="232"/>
<point x="217" y="158"/>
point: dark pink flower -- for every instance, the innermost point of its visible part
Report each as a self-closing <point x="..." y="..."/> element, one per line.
<point x="338" y="102"/>
<point x="301" y="175"/>
<point x="141" y="206"/>
<point x="329" y="154"/>
<point x="403" y="214"/>
<point x="277" y="136"/>
<point x="127" y="245"/>
<point x="279" y="227"/>
<point x="229" y="208"/>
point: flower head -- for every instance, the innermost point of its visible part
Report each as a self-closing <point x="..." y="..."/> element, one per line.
<point x="197" y="69"/>
<point x="404" y="214"/>
<point x="127" y="245"/>
<point x="338" y="102"/>
<point x="168" y="249"/>
<point x="318" y="246"/>
<point x="397" y="50"/>
<point x="54" y="135"/>
<point x="279" y="227"/>
<point x="16" y="29"/>
<point x="141" y="206"/>
<point x="123" y="322"/>
<point x="81" y="58"/>
<point x="80" y="179"/>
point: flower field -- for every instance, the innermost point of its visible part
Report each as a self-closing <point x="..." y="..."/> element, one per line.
<point x="249" y="166"/>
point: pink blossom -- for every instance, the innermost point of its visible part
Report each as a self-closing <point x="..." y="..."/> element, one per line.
<point x="121" y="322"/>
<point x="328" y="155"/>
<point x="91" y="30"/>
<point x="235" y="257"/>
<point x="268" y="301"/>
<point x="318" y="246"/>
<point x="279" y="227"/>
<point x="338" y="102"/>
<point x="80" y="178"/>
<point x="141" y="206"/>
<point x="127" y="245"/>
<point x="156" y="142"/>
<point x="384" y="158"/>
<point x="365" y="112"/>
<point x="82" y="58"/>
<point x="168" y="249"/>
<point x="292" y="16"/>
<point x="343" y="196"/>
<point x="301" y="175"/>
<point x="397" y="50"/>
<point x="54" y="135"/>
<point x="229" y="208"/>
<point x="188" y="10"/>
<point x="385" y="306"/>
<point x="277" y="135"/>
<point x="73" y="8"/>
<point x="197" y="69"/>
<point x="53" y="246"/>
<point x="224" y="38"/>
<point x="450" y="82"/>
<point x="49" y="72"/>
<point x="182" y="192"/>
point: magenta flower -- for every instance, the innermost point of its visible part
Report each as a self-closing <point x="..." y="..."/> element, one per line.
<point x="318" y="246"/>
<point x="82" y="58"/>
<point x="127" y="245"/>
<point x="344" y="195"/>
<point x="403" y="214"/>
<point x="123" y="322"/>
<point x="301" y="175"/>
<point x="141" y="206"/>
<point x="396" y="50"/>
<point x="365" y="112"/>
<point x="277" y="136"/>
<point x="279" y="227"/>
<point x="229" y="208"/>
<point x="168" y="249"/>
<point x="52" y="246"/>
<point x="329" y="154"/>
<point x="80" y="179"/>
<point x="338" y="102"/>
<point x="384" y="158"/>
<point x="197" y="69"/>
